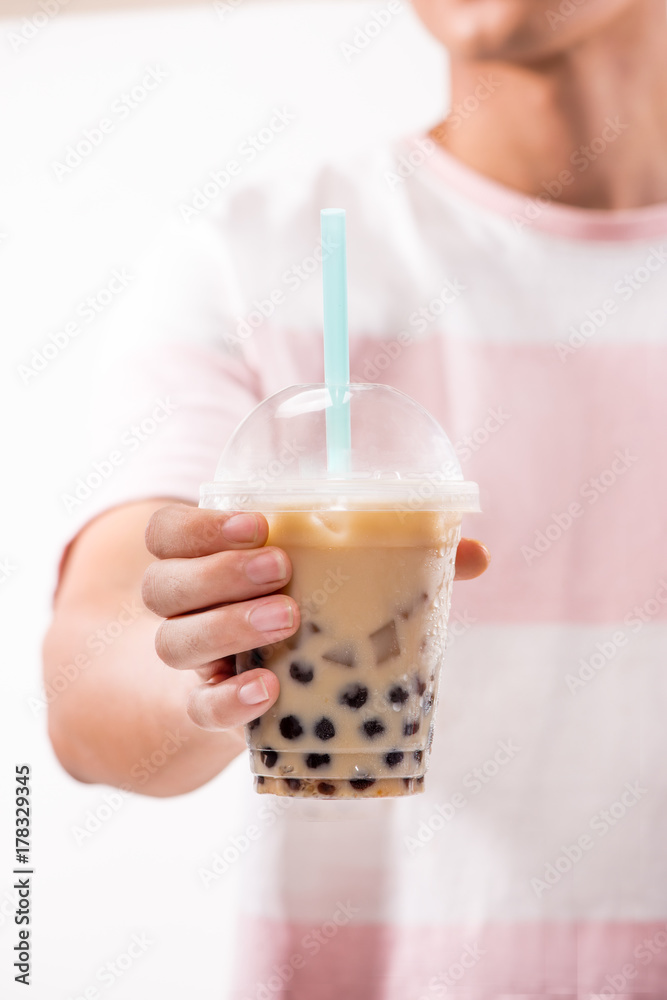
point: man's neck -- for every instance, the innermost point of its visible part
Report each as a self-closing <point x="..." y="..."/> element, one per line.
<point x="596" y="114"/>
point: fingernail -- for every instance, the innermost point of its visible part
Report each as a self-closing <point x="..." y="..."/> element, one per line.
<point x="253" y="692"/>
<point x="269" y="567"/>
<point x="272" y="617"/>
<point x="241" y="528"/>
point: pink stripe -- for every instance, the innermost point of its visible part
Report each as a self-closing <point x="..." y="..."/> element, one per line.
<point x="561" y="220"/>
<point x="567" y="424"/>
<point x="282" y="961"/>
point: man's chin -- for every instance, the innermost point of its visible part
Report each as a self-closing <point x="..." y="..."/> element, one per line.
<point x="522" y="31"/>
<point x="488" y="29"/>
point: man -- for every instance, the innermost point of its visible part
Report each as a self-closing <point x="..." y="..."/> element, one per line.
<point x="508" y="271"/>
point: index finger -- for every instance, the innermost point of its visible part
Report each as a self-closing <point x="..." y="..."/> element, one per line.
<point x="178" y="531"/>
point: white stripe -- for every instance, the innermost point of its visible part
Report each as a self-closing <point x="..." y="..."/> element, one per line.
<point x="551" y="765"/>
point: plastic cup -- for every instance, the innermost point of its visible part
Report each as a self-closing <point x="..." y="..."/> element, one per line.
<point x="373" y="564"/>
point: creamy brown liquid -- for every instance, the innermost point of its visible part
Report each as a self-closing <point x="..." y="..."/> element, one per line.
<point x="359" y="680"/>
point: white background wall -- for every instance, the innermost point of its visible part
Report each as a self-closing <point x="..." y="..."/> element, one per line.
<point x="60" y="240"/>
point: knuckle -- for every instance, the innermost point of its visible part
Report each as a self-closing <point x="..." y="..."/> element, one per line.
<point x="172" y="646"/>
<point x="207" y="634"/>
<point x="164" y="645"/>
<point x="216" y="635"/>
<point x="219" y="714"/>
<point x="197" y="638"/>
<point x="163" y="589"/>
<point x="209" y="527"/>
<point x="204" y="709"/>
<point x="193" y="640"/>
<point x="227" y="569"/>
<point x="192" y="708"/>
<point x="155" y="532"/>
<point x="148" y="590"/>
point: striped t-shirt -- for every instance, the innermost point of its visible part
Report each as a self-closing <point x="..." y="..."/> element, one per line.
<point x="535" y="863"/>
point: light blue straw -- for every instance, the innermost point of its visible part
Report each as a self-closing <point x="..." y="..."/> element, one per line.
<point x="336" y="347"/>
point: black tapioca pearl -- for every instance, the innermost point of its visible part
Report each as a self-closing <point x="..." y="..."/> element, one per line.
<point x="393" y="758"/>
<point x="325" y="729"/>
<point x="254" y="723"/>
<point x="419" y="780"/>
<point x="293" y="783"/>
<point x="427" y="702"/>
<point x="326" y="788"/>
<point x="343" y="655"/>
<point x="311" y="627"/>
<point x="420" y="686"/>
<point x="301" y="671"/>
<point x="385" y="642"/>
<point x="256" y="658"/>
<point x="397" y="695"/>
<point x="354" y="696"/>
<point x="361" y="783"/>
<point x="418" y="754"/>
<point x="373" y="728"/>
<point x="315" y="760"/>
<point x="260" y="779"/>
<point x="290" y="727"/>
<point x="411" y="727"/>
<point x="269" y="757"/>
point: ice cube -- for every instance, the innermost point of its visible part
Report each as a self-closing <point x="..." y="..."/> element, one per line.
<point x="385" y="642"/>
<point x="344" y="654"/>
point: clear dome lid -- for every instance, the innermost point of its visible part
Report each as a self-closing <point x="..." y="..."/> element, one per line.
<point x="277" y="456"/>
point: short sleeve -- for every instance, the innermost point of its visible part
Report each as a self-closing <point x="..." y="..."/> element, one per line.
<point x="171" y="381"/>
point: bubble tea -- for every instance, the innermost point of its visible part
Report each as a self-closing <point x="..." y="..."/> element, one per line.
<point x="373" y="553"/>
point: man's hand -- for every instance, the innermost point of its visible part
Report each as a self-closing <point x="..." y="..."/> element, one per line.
<point x="213" y="584"/>
<point x="116" y="715"/>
